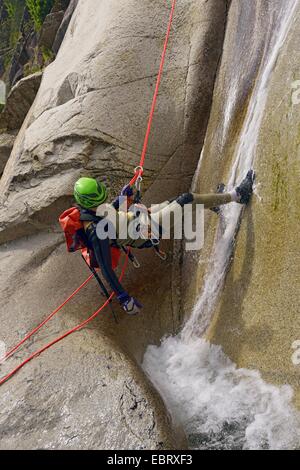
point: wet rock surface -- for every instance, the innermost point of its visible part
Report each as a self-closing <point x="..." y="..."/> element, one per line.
<point x="256" y="320"/>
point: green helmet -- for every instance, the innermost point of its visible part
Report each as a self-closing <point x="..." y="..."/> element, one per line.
<point x="89" y="193"/>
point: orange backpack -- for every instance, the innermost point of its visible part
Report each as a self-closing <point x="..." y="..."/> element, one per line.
<point x="76" y="237"/>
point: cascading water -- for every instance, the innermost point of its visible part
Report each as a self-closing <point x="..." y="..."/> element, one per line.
<point x="219" y="405"/>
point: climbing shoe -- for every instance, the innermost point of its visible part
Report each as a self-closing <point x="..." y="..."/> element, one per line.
<point x="129" y="304"/>
<point x="220" y="190"/>
<point x="245" y="190"/>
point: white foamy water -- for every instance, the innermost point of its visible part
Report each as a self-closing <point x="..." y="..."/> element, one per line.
<point x="219" y="405"/>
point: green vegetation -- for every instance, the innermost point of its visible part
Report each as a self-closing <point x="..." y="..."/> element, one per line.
<point x="38" y="10"/>
<point x="29" y="69"/>
<point x="41" y="58"/>
<point x="47" y="54"/>
<point x="11" y="8"/>
<point x="16" y="27"/>
<point x="10" y="28"/>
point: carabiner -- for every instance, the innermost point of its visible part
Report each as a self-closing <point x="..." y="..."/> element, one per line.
<point x="136" y="263"/>
<point x="161" y="254"/>
<point x="138" y="183"/>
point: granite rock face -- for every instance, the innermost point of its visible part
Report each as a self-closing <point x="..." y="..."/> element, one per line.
<point x="6" y="145"/>
<point x="89" y="118"/>
<point x="64" y="26"/>
<point x="19" y="102"/>
<point x="50" y="28"/>
<point x="91" y="110"/>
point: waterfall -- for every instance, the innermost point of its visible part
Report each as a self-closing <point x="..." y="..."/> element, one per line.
<point x="219" y="405"/>
<point x="244" y="160"/>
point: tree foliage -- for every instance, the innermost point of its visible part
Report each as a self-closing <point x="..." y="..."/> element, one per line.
<point x="38" y="10"/>
<point x="10" y="8"/>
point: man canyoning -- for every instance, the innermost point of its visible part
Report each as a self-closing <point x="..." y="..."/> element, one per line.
<point x="91" y="198"/>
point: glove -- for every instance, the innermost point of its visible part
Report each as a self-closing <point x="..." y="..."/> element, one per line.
<point x="127" y="191"/>
<point x="129" y="304"/>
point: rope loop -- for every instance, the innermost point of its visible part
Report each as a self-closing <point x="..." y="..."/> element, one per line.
<point x="139" y="169"/>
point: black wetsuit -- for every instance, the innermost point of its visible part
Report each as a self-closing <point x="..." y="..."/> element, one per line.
<point x="100" y="251"/>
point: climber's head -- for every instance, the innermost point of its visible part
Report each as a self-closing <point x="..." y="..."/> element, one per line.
<point x="89" y="193"/>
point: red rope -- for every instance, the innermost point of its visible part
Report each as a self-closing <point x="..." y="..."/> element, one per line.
<point x="140" y="169"/>
<point x="35" y="330"/>
<point x="60" y="338"/>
